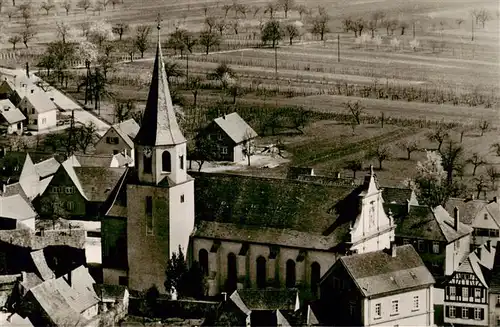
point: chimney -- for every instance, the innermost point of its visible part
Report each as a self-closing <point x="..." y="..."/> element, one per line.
<point x="27" y="70"/>
<point x="478" y="253"/>
<point x="393" y="250"/>
<point x="495" y="199"/>
<point x="32" y="91"/>
<point x="456" y="217"/>
<point x="224" y="116"/>
<point x="338" y="175"/>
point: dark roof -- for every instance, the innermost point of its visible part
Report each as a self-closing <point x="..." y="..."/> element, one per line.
<point x="267" y="299"/>
<point x="495" y="273"/>
<point x="274" y="203"/>
<point x="376" y="273"/>
<point x="107" y="292"/>
<point x="468" y="209"/>
<point x="41" y="265"/>
<point x="396" y="195"/>
<point x="159" y="124"/>
<point x="98" y="182"/>
<point x="94" y="160"/>
<point x="235" y="127"/>
<point x="295" y="172"/>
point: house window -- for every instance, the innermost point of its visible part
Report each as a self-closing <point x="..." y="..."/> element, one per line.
<point x="315" y="276"/>
<point x="395" y="307"/>
<point x="453" y="291"/>
<point x="477" y="313"/>
<point x="44" y="120"/>
<point x="416" y="303"/>
<point x="478" y="293"/>
<point x="352" y="308"/>
<point x="435" y="247"/>
<point x="421" y="245"/>
<point x="32" y="111"/>
<point x="465" y="292"/>
<point x="70" y="205"/>
<point x="452" y="312"/>
<point x="69" y="190"/>
<point x="116" y="140"/>
<point x="123" y="280"/>
<point x="182" y="198"/>
<point x="165" y="162"/>
<point x="290" y="274"/>
<point x="465" y="313"/>
<point x="54" y="189"/>
<point x="149" y="215"/>
<point x="378" y="311"/>
<point x="485" y="216"/>
<point x="115" y="152"/>
<point x="219" y="136"/>
<point x="224" y="149"/>
<point x="35" y="121"/>
<point x="108" y="140"/>
<point x="181" y="161"/>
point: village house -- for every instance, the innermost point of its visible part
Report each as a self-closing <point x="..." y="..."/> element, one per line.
<point x="229" y="134"/>
<point x="79" y="192"/>
<point x="14" y="89"/>
<point x="65" y="301"/>
<point x="466" y="297"/>
<point x="118" y="160"/>
<point x="259" y="308"/>
<point x="482" y="215"/>
<point x="39" y="109"/>
<point x="119" y="139"/>
<point x="442" y="241"/>
<point x="16" y="213"/>
<point x="389" y="287"/>
<point x="11" y="118"/>
<point x="36" y="174"/>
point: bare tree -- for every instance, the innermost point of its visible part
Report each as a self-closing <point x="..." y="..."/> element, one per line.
<point x="460" y="21"/>
<point x="114" y="3"/>
<point x="208" y="40"/>
<point x="248" y="145"/>
<point x="85" y="136"/>
<point x="287" y="5"/>
<point x="255" y="10"/>
<point x="320" y="25"/>
<point x="480" y="183"/>
<point x="452" y="159"/>
<point x="63" y="30"/>
<point x="493" y="175"/>
<point x="439" y="135"/>
<point x="409" y="145"/>
<point x="484" y="126"/>
<point x="28" y="32"/>
<point x="47" y="6"/>
<point x="354" y="166"/>
<point x="26" y="10"/>
<point x="226" y="8"/>
<point x="84" y="4"/>
<point x="195" y="84"/>
<point x="403" y="25"/>
<point x="382" y="153"/>
<point x="14" y="39"/>
<point x="120" y="29"/>
<point x="211" y="23"/>
<point x="372" y="27"/>
<point x="221" y="25"/>
<point x="270" y="9"/>
<point x="10" y="13"/>
<point x="476" y="160"/>
<point x="142" y="38"/>
<point x="123" y="109"/>
<point x="67" y="6"/>
<point x="302" y="10"/>
<point x="483" y="16"/>
<point x="235" y="25"/>
<point x="240" y="8"/>
<point x="355" y="109"/>
<point x="291" y="32"/>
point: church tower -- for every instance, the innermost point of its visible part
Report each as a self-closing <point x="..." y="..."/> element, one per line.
<point x="160" y="201"/>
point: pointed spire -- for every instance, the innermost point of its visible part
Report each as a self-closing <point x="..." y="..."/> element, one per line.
<point x="371" y="170"/>
<point x="159" y="124"/>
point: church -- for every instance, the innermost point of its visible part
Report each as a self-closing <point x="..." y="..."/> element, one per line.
<point x="246" y="232"/>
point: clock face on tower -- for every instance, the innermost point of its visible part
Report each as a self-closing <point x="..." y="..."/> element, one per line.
<point x="148" y="152"/>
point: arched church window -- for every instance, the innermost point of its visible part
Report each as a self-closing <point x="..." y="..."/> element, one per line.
<point x="203" y="259"/>
<point x="290" y="274"/>
<point x="232" y="273"/>
<point x="166" y="165"/>
<point x="261" y="272"/>
<point x="315" y="277"/>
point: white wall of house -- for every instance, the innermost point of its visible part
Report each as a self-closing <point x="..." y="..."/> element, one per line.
<point x="15" y="128"/>
<point x="471" y="321"/>
<point x="484" y="220"/>
<point x="30" y="222"/>
<point x="38" y="121"/>
<point x="408" y="313"/>
<point x="238" y="153"/>
<point x="455" y="252"/>
<point x="181" y="210"/>
<point x="112" y="143"/>
<point x="247" y="264"/>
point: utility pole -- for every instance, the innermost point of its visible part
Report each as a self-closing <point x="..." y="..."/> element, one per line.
<point x="338" y="47"/>
<point x="413" y="28"/>
<point x="472" y="28"/>
<point x="276" y="66"/>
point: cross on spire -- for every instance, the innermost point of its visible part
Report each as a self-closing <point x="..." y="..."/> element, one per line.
<point x="158" y="21"/>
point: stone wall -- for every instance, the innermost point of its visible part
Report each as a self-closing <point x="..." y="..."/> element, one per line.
<point x="111" y="317"/>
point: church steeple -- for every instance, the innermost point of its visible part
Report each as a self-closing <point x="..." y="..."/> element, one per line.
<point x="159" y="124"/>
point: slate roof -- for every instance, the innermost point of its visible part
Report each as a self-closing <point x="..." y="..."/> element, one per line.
<point x="268" y="299"/>
<point x="98" y="182"/>
<point x="159" y="124"/>
<point x="123" y="160"/>
<point x="47" y="167"/>
<point x="468" y="209"/>
<point x="78" y="301"/>
<point x="493" y="208"/>
<point x="40" y="101"/>
<point x="127" y="130"/>
<point x="396" y="195"/>
<point x="55" y="305"/>
<point x="235" y="127"/>
<point x="16" y="207"/>
<point x="275" y="203"/>
<point x="93" y="160"/>
<point x="41" y="265"/>
<point x="10" y="113"/>
<point x="30" y="280"/>
<point x="377" y="273"/>
<point x="108" y="293"/>
<point x="424" y="223"/>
